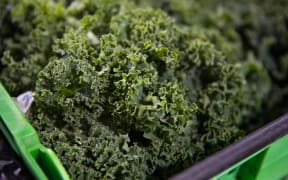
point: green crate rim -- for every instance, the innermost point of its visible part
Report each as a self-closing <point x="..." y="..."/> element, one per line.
<point x="39" y="160"/>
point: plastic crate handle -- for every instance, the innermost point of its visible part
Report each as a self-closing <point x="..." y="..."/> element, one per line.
<point x="42" y="162"/>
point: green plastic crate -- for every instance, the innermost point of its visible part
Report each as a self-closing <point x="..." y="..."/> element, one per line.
<point x="262" y="155"/>
<point x="269" y="163"/>
<point x="42" y="162"/>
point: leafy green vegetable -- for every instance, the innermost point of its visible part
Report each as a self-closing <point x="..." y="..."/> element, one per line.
<point x="129" y="92"/>
<point x="243" y="29"/>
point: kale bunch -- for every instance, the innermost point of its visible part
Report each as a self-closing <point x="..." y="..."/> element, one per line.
<point x="124" y="86"/>
<point x="173" y="96"/>
<point x="254" y="29"/>
<point x="129" y="92"/>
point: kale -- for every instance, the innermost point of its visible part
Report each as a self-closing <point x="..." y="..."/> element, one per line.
<point x="124" y="91"/>
<point x="117" y="84"/>
<point x="35" y="26"/>
<point x="137" y="80"/>
<point x="243" y="29"/>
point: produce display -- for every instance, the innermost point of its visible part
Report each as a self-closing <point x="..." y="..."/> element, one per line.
<point x="144" y="89"/>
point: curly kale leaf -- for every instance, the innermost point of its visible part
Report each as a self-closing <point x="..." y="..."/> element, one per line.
<point x="243" y="30"/>
<point x="35" y="25"/>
